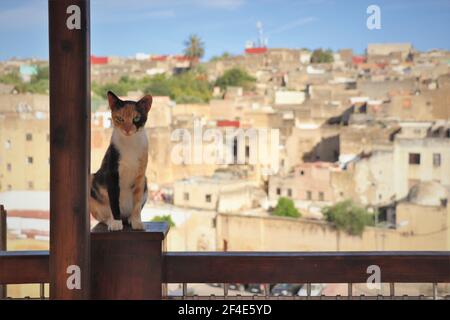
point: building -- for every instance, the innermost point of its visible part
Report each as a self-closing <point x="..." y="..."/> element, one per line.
<point x="366" y="179"/>
<point x="24" y="152"/>
<point x="385" y="49"/>
<point x="420" y="160"/>
<point x="309" y="183"/>
<point x="224" y="191"/>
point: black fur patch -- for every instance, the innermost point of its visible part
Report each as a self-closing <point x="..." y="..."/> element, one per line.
<point x="108" y="177"/>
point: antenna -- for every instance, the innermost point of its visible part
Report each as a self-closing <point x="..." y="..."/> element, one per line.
<point x="261" y="41"/>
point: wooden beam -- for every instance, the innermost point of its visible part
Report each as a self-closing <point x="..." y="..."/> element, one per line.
<point x="3" y="230"/>
<point x="24" y="267"/>
<point x="297" y="267"/>
<point x="69" y="145"/>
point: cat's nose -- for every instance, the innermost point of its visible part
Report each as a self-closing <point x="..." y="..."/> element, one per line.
<point x="127" y="129"/>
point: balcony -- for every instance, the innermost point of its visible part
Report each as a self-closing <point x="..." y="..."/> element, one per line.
<point x="96" y="264"/>
<point x="149" y="269"/>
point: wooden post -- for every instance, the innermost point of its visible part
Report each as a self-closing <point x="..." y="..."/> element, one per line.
<point x="128" y="264"/>
<point x="69" y="35"/>
<point x="3" y="230"/>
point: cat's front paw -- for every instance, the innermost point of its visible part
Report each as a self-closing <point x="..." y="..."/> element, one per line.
<point x="136" y="224"/>
<point x="114" y="225"/>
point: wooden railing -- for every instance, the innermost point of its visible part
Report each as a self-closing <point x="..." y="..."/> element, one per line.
<point x="149" y="268"/>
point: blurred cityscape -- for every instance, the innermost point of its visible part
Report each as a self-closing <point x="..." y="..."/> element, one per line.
<point x="362" y="151"/>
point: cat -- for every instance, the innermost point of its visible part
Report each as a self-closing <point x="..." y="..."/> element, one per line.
<point x="118" y="190"/>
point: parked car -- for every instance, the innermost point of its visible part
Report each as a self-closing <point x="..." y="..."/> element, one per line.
<point x="237" y="286"/>
<point x="255" y="288"/>
<point x="316" y="290"/>
<point x="286" y="289"/>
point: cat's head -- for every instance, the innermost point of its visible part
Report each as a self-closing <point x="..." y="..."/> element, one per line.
<point x="129" y="116"/>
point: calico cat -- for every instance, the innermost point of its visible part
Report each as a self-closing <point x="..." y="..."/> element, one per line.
<point x="119" y="187"/>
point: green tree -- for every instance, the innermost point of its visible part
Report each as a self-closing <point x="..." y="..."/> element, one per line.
<point x="188" y="87"/>
<point x="12" y="77"/>
<point x="38" y="83"/>
<point x="194" y="47"/>
<point x="347" y="216"/>
<point x="165" y="218"/>
<point x="235" y="77"/>
<point x="285" y="208"/>
<point x="322" y="56"/>
<point x="224" y="55"/>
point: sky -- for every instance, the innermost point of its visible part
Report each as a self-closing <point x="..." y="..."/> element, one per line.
<point x="126" y="27"/>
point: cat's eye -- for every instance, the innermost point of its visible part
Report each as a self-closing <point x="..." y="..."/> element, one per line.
<point x="119" y="119"/>
<point x="137" y="118"/>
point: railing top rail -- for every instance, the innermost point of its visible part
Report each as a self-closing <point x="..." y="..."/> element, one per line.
<point x="305" y="267"/>
<point x="262" y="267"/>
<point x="305" y="254"/>
<point x="24" y="267"/>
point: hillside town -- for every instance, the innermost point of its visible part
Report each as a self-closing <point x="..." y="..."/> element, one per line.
<point x="371" y="131"/>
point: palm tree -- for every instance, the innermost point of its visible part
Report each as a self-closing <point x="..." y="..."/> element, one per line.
<point x="194" y="47"/>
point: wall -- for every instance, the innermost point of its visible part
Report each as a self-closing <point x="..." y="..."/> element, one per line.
<point x="368" y="181"/>
<point x="289" y="97"/>
<point x="256" y="233"/>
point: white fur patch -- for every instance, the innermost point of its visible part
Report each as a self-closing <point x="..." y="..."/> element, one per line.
<point x="131" y="149"/>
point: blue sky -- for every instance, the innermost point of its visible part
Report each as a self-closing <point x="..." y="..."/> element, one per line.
<point x="124" y="27"/>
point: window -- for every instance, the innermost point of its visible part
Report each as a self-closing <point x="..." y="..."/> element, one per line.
<point x="29" y="160"/>
<point x="8" y="144"/>
<point x="302" y="173"/>
<point x="9" y="167"/>
<point x="278" y="191"/>
<point x="29" y="137"/>
<point x="289" y="192"/>
<point x="414" y="158"/>
<point x="30" y="185"/>
<point x="186" y="196"/>
<point x="436" y="159"/>
<point x="208" y="198"/>
<point x="321" y="196"/>
<point x="308" y="195"/>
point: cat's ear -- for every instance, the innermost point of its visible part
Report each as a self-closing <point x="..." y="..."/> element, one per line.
<point x="146" y="102"/>
<point x="113" y="100"/>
